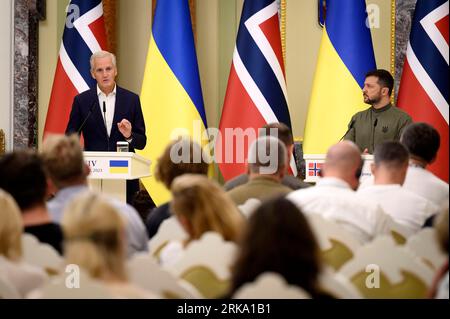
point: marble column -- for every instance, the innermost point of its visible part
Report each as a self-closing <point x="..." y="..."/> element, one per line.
<point x="27" y="14"/>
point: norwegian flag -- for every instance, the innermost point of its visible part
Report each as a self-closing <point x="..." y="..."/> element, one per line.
<point x="424" y="86"/>
<point x="84" y="34"/>
<point x="314" y="169"/>
<point x="256" y="92"/>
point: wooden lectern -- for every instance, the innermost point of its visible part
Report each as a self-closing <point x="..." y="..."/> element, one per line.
<point x="111" y="170"/>
<point x="314" y="162"/>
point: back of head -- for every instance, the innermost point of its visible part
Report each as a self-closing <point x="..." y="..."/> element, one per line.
<point x="278" y="239"/>
<point x="267" y="156"/>
<point x="182" y="156"/>
<point x="94" y="236"/>
<point x="385" y="78"/>
<point x="342" y="160"/>
<point x="11" y="228"/>
<point x="278" y="130"/>
<point x="63" y="159"/>
<point x="391" y="155"/>
<point x="22" y="175"/>
<point x="206" y="207"/>
<point x="421" y="140"/>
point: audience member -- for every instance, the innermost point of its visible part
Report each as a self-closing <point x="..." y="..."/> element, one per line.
<point x="143" y="204"/>
<point x="334" y="195"/>
<point x="200" y="205"/>
<point x="290" y="250"/>
<point x="20" y="275"/>
<point x="389" y="171"/>
<point x="167" y="169"/>
<point x="64" y="163"/>
<point x="22" y="175"/>
<point x="266" y="164"/>
<point x="93" y="240"/>
<point x="284" y="133"/>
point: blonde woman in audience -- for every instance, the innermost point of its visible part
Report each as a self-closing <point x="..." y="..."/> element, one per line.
<point x="95" y="240"/>
<point x="200" y="205"/>
<point x="20" y="275"/>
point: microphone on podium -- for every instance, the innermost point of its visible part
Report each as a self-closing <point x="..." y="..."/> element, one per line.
<point x="106" y="127"/>
<point x="349" y="128"/>
<point x="86" y="118"/>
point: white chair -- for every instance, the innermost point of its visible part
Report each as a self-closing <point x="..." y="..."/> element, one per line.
<point x="382" y="269"/>
<point x="146" y="273"/>
<point x="41" y="254"/>
<point x="336" y="244"/>
<point x="206" y="264"/>
<point x="7" y="290"/>
<point x="425" y="245"/>
<point x="270" y="285"/>
<point x="337" y="285"/>
<point x="249" y="207"/>
<point x="59" y="288"/>
<point x="170" y="229"/>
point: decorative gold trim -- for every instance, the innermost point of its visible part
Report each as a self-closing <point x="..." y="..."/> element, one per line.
<point x="283" y="29"/>
<point x="109" y="13"/>
<point x="2" y="142"/>
<point x="393" y="22"/>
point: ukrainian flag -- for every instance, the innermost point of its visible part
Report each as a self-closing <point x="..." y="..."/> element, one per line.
<point x="118" y="167"/>
<point x="345" y="56"/>
<point x="171" y="97"/>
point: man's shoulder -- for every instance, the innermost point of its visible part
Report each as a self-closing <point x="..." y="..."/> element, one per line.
<point x="124" y="92"/>
<point x="399" y="112"/>
<point x="235" y="182"/>
<point x="361" y="114"/>
<point x="88" y="94"/>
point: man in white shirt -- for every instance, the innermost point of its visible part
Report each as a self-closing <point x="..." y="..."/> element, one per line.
<point x="389" y="171"/>
<point x="423" y="141"/>
<point x="334" y="196"/>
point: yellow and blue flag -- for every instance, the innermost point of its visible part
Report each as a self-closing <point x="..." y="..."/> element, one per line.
<point x="345" y="56"/>
<point x="171" y="96"/>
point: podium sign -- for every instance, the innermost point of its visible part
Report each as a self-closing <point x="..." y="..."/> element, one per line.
<point x="110" y="170"/>
<point x="314" y="163"/>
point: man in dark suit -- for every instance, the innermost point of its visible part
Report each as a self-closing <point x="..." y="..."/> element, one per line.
<point x="107" y="113"/>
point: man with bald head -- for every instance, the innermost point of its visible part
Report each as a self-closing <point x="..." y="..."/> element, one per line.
<point x="334" y="195"/>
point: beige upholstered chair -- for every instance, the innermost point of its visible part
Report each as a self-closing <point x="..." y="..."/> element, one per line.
<point x="383" y="269"/>
<point x="7" y="290"/>
<point x="337" y="285"/>
<point x="425" y="245"/>
<point x="270" y="285"/>
<point x="249" y="207"/>
<point x="170" y="229"/>
<point x="145" y="272"/>
<point x="41" y="254"/>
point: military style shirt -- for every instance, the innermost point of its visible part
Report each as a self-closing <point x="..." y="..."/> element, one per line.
<point x="373" y="126"/>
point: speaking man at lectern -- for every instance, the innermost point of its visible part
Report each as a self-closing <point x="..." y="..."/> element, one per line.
<point x="107" y="113"/>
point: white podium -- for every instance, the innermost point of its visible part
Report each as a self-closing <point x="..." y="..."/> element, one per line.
<point x="314" y="162"/>
<point x="111" y="170"/>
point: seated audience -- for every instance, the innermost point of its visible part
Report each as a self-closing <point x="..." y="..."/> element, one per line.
<point x="334" y="195"/>
<point x="192" y="162"/>
<point x="64" y="164"/>
<point x="22" y="175"/>
<point x="278" y="239"/>
<point x="20" y="275"/>
<point x="200" y="205"/>
<point x="266" y="164"/>
<point x="143" y="204"/>
<point x="283" y="132"/>
<point x="94" y="240"/>
<point x="389" y="171"/>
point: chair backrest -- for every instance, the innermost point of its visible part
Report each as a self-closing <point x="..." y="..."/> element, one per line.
<point x="146" y="273"/>
<point x="58" y="288"/>
<point x="336" y="244"/>
<point x="337" y="285"/>
<point x="7" y="290"/>
<point x="399" y="232"/>
<point x="170" y="229"/>
<point x="249" y="207"/>
<point x="424" y="244"/>
<point x="41" y="254"/>
<point x="382" y="269"/>
<point x="206" y="264"/>
<point x="270" y="285"/>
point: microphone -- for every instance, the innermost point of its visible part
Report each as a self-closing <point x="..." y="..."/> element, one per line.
<point x="373" y="134"/>
<point x="106" y="127"/>
<point x="86" y="118"/>
<point x="349" y="128"/>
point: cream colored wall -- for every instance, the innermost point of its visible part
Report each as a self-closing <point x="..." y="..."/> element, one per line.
<point x="217" y="22"/>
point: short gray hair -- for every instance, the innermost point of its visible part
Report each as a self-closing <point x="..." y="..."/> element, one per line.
<point x="267" y="156"/>
<point x="102" y="54"/>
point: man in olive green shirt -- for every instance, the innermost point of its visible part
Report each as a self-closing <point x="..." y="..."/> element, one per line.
<point x="382" y="121"/>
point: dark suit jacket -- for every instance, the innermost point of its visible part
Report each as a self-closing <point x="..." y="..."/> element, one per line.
<point x="127" y="107"/>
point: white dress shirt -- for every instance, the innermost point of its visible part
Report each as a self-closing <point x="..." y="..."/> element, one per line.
<point x="110" y="101"/>
<point x="333" y="199"/>
<point x="404" y="206"/>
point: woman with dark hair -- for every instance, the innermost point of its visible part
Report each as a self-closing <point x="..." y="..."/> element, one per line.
<point x="278" y="239"/>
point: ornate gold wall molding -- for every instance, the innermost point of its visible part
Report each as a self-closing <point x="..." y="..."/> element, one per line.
<point x="283" y="28"/>
<point x="109" y="12"/>
<point x="393" y="23"/>
<point x="2" y="142"/>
